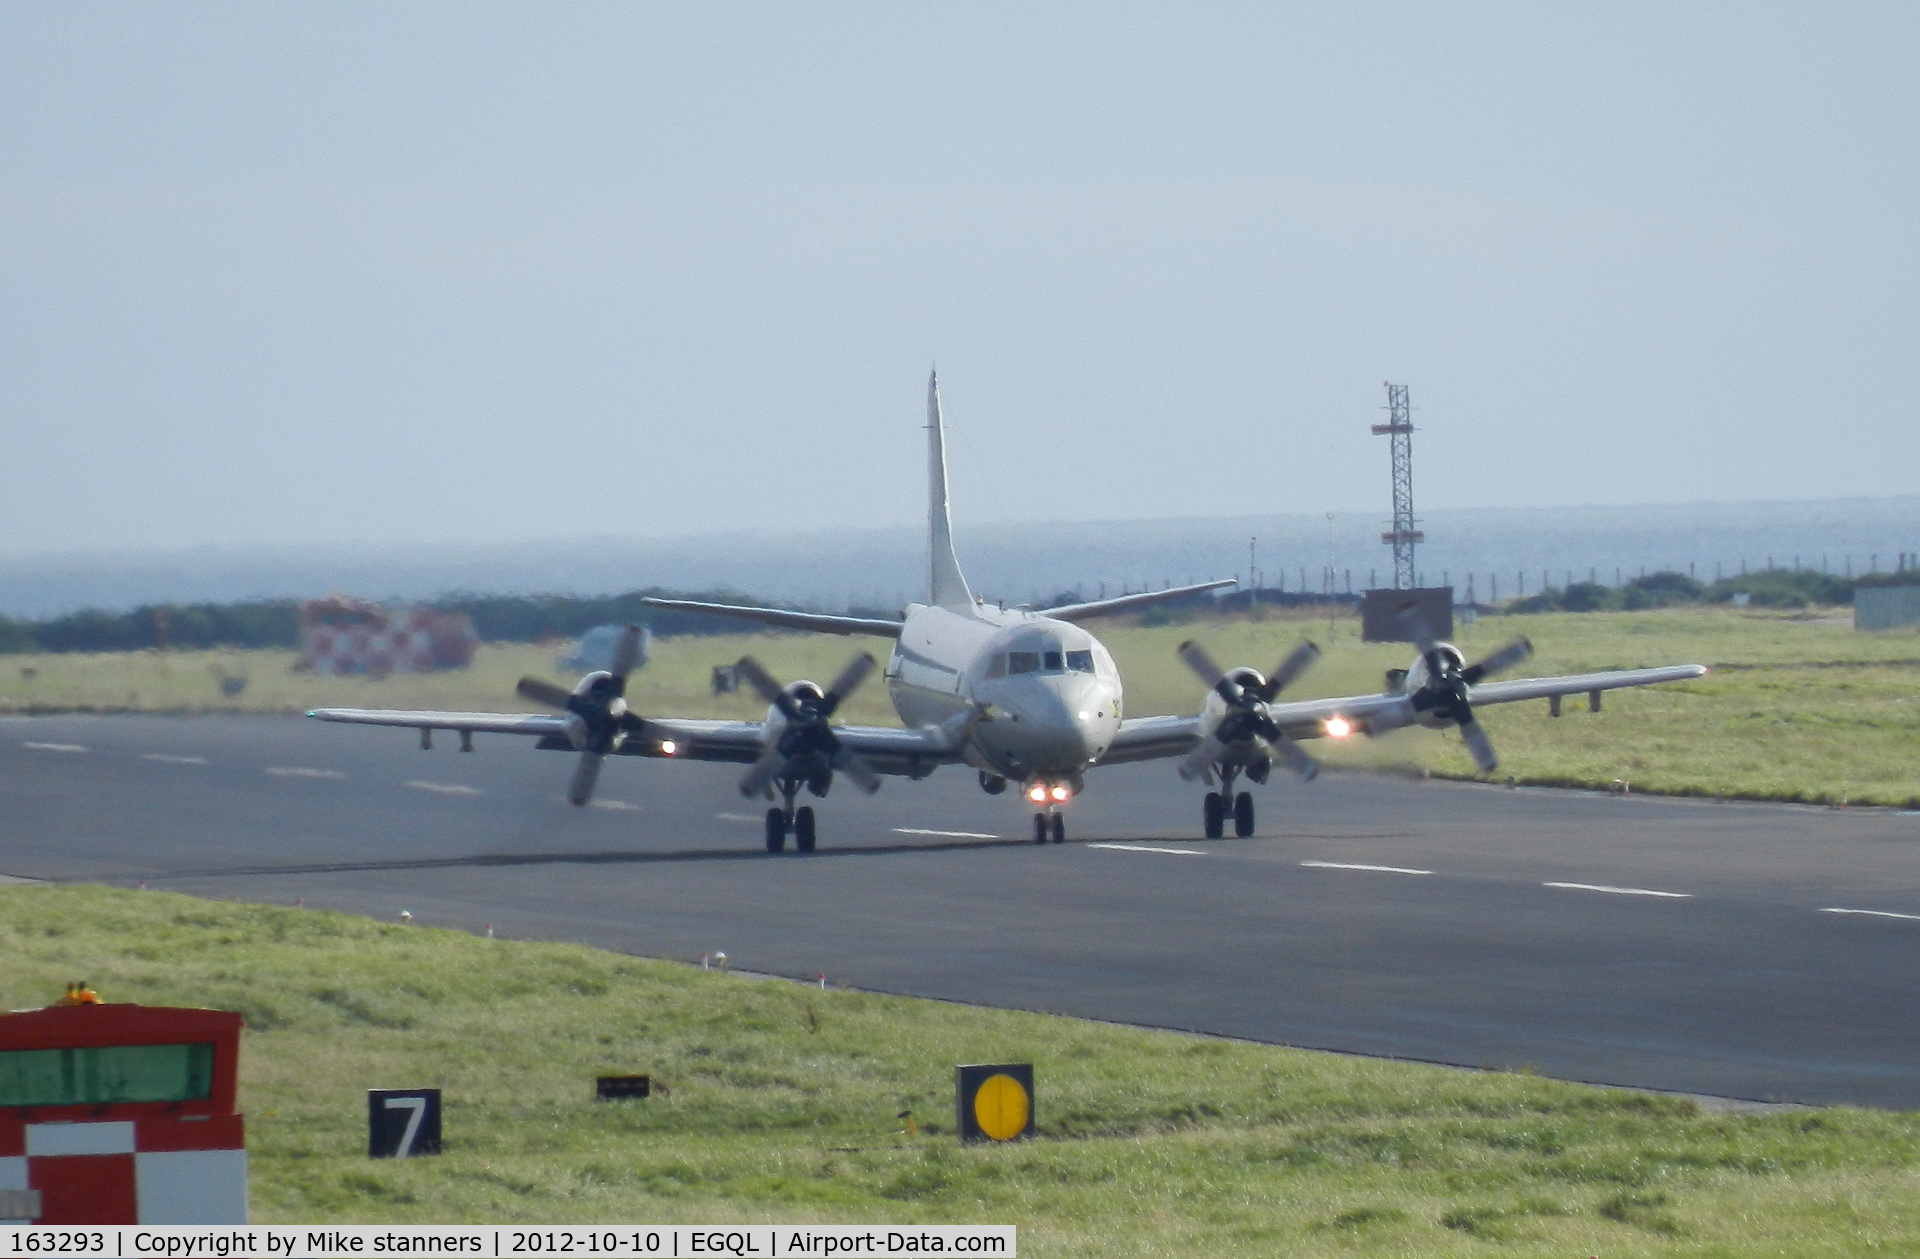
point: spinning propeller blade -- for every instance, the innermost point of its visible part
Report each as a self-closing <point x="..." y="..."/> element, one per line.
<point x="544" y="692"/>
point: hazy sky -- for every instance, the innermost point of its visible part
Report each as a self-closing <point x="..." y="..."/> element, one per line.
<point x="278" y="273"/>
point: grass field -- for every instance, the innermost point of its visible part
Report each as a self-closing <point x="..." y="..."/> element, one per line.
<point x="780" y="1105"/>
<point x="1799" y="706"/>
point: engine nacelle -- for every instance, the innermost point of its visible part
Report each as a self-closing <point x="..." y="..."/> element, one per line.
<point x="1417" y="674"/>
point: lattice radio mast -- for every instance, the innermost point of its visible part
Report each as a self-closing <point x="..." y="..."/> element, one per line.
<point x="1399" y="427"/>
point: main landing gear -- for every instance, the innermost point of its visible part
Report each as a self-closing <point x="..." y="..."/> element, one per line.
<point x="788" y="820"/>
<point x="1049" y="825"/>
<point x="1214" y="809"/>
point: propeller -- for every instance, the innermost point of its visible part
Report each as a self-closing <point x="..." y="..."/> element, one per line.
<point x="596" y="712"/>
<point x="807" y="712"/>
<point x="1247" y="719"/>
<point x="1444" y="693"/>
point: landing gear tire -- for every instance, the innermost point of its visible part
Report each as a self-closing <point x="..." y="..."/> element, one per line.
<point x="1039" y="828"/>
<point x="1059" y="829"/>
<point x="776" y="830"/>
<point x="1243" y="814"/>
<point x="1213" y="815"/>
<point x="803" y="830"/>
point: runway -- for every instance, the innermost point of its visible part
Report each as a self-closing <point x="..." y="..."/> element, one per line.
<point x="1752" y="951"/>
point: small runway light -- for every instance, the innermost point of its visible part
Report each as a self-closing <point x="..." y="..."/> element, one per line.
<point x="1060" y="791"/>
<point x="668" y="747"/>
<point x="1338" y="727"/>
<point x="1037" y="793"/>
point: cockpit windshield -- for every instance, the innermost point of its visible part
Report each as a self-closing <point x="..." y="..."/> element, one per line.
<point x="1051" y="659"/>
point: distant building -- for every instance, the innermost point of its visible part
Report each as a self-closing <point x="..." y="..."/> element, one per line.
<point x="343" y="635"/>
<point x="1885" y="607"/>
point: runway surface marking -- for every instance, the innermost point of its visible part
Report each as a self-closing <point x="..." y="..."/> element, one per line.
<point x="164" y="759"/>
<point x="445" y="789"/>
<point x="1172" y="852"/>
<point x="1873" y="913"/>
<point x="1354" y="865"/>
<point x="615" y="806"/>
<point x="54" y="747"/>
<point x="301" y="771"/>
<point x="917" y="830"/>
<point x="738" y="817"/>
<point x="1620" y="891"/>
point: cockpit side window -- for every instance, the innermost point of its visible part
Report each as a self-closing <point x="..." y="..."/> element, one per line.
<point x="1023" y="662"/>
<point x="997" y="667"/>
<point x="1053" y="662"/>
<point x="1079" y="662"/>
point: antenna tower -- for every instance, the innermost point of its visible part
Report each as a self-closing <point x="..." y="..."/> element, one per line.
<point x="1399" y="427"/>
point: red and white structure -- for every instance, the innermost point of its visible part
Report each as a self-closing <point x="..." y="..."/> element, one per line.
<point x="342" y="635"/>
<point x="121" y="1114"/>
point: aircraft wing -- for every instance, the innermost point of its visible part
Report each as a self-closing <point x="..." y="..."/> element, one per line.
<point x="1306" y="719"/>
<point x="910" y="753"/>
<point x="1127" y="603"/>
<point x="888" y="749"/>
<point x="539" y="725"/>
<point x="1155" y="738"/>
<point x="1575" y="683"/>
<point x="817" y="621"/>
<point x="1151" y="738"/>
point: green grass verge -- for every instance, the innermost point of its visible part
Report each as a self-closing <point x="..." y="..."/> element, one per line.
<point x="1800" y="706"/>
<point x="783" y="1099"/>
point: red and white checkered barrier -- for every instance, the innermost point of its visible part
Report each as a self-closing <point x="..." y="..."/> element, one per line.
<point x="140" y="1171"/>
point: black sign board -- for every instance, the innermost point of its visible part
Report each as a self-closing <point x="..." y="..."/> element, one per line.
<point x="611" y="1088"/>
<point x="994" y="1102"/>
<point x="402" y="1122"/>
<point x="1391" y="616"/>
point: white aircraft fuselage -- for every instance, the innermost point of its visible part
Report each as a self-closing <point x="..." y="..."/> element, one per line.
<point x="1045" y="694"/>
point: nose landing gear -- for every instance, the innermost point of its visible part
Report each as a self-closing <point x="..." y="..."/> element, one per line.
<point x="781" y="821"/>
<point x="1214" y="809"/>
<point x="1049" y="824"/>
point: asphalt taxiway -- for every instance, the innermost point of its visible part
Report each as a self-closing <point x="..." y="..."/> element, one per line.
<point x="1743" y="950"/>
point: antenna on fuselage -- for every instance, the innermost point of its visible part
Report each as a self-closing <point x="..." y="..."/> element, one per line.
<point x="946" y="587"/>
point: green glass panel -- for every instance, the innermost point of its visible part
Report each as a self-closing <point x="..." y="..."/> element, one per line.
<point x="111" y="1073"/>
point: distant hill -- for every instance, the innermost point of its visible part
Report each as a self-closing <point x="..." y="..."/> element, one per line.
<point x="1028" y="562"/>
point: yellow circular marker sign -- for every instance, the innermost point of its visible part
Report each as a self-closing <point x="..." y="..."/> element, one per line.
<point x="1000" y="1107"/>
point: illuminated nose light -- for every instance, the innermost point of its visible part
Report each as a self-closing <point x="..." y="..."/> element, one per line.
<point x="1085" y="715"/>
<point x="1037" y="793"/>
<point x="1060" y="791"/>
<point x="1338" y="727"/>
<point x="668" y="747"/>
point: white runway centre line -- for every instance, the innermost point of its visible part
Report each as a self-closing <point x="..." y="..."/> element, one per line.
<point x="916" y="830"/>
<point x="301" y="771"/>
<point x="1620" y="891"/>
<point x="615" y="806"/>
<point x="54" y="747"/>
<point x="164" y="759"/>
<point x="1171" y="852"/>
<point x="1873" y="913"/>
<point x="1354" y="865"/>
<point x="445" y="789"/>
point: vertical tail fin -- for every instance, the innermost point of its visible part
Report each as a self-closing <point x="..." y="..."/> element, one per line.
<point x="946" y="588"/>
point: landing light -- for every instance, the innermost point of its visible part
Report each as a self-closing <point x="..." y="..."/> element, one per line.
<point x="1085" y="715"/>
<point x="1338" y="727"/>
<point x="668" y="747"/>
<point x="1060" y="791"/>
<point x="1037" y="793"/>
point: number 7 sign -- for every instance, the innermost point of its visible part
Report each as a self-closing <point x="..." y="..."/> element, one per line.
<point x="402" y="1122"/>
